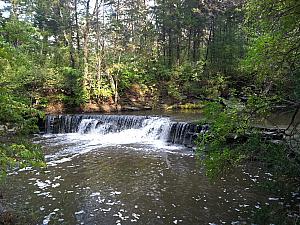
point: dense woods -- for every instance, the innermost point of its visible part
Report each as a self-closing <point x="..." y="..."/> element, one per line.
<point x="77" y="52"/>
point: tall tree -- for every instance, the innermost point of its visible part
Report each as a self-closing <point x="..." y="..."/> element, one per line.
<point x="273" y="55"/>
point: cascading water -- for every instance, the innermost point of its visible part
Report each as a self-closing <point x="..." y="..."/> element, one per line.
<point x="129" y="127"/>
<point x="78" y="134"/>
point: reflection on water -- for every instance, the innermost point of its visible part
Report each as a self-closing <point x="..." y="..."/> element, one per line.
<point x="127" y="184"/>
<point x="281" y="119"/>
<point x="131" y="178"/>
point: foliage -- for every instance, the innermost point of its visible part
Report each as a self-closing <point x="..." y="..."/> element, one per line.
<point x="231" y="139"/>
<point x="230" y="133"/>
<point x="17" y="115"/>
<point x="72" y="85"/>
<point x="127" y="74"/>
<point x="225" y="123"/>
<point x="273" y="52"/>
<point x="67" y="49"/>
<point x="21" y="82"/>
<point x="19" y="155"/>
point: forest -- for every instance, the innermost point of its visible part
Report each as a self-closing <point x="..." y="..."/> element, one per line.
<point x="79" y="52"/>
<point x="234" y="59"/>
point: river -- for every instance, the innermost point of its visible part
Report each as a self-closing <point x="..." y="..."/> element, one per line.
<point x="118" y="169"/>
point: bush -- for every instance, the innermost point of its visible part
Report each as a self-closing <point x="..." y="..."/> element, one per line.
<point x="231" y="138"/>
<point x="19" y="155"/>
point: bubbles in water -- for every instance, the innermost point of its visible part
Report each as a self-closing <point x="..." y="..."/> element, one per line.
<point x="80" y="134"/>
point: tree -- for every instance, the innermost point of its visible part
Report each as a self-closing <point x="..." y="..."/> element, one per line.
<point x="273" y="55"/>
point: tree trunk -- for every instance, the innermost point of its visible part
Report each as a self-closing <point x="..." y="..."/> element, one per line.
<point x="67" y="33"/>
<point x="98" y="47"/>
<point x="189" y="44"/>
<point x="178" y="50"/>
<point x="208" y="43"/>
<point x="170" y="50"/>
<point x="195" y="45"/>
<point x="86" y="50"/>
<point x="77" y="29"/>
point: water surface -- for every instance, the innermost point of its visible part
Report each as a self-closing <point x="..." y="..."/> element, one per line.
<point x="133" y="176"/>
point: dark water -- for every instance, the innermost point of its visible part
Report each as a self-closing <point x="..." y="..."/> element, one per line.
<point x="131" y="177"/>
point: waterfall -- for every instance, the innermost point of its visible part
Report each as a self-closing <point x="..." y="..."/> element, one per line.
<point x="128" y="126"/>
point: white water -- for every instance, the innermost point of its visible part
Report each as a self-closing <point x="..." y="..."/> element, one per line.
<point x="153" y="133"/>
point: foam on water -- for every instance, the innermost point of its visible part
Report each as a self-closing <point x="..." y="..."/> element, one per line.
<point x="95" y="133"/>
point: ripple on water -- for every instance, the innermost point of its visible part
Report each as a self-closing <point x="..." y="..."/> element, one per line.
<point x="135" y="183"/>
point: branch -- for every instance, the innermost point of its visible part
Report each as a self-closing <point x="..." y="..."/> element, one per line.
<point x="291" y="103"/>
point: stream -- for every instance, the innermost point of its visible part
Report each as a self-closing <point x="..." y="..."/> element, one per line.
<point x="131" y="169"/>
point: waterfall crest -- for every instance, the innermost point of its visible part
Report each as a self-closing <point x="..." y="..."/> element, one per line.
<point x="128" y="126"/>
